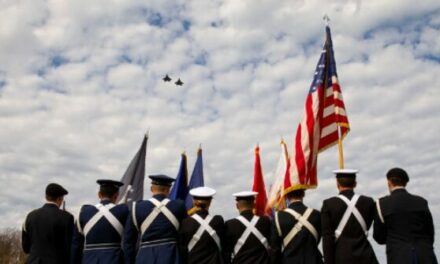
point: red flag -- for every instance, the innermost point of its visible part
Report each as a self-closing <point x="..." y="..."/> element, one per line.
<point x="324" y="122"/>
<point x="258" y="185"/>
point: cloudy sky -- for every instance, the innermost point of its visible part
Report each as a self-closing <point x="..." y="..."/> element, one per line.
<point x="80" y="83"/>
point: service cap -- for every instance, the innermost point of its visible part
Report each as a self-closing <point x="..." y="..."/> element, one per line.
<point x="246" y="195"/>
<point x="55" y="190"/>
<point x="202" y="193"/>
<point x="398" y="173"/>
<point x="160" y="179"/>
<point x="106" y="182"/>
<point x="345" y="173"/>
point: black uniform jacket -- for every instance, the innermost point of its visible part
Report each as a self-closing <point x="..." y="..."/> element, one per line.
<point x="352" y="245"/>
<point x="46" y="235"/>
<point x="408" y="230"/>
<point x="206" y="250"/>
<point x="303" y="249"/>
<point x="253" y="250"/>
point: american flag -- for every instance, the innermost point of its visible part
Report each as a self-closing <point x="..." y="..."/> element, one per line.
<point x="323" y="124"/>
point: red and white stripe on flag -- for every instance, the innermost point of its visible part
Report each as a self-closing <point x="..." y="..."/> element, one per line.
<point x="323" y="123"/>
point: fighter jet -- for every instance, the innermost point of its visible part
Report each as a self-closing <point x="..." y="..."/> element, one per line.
<point x="179" y="82"/>
<point x="166" y="78"/>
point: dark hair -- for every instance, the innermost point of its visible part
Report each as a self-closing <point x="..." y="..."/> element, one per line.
<point x="51" y="198"/>
<point x="347" y="182"/>
<point x="246" y="203"/>
<point x="297" y="194"/>
<point x="108" y="190"/>
<point x="398" y="176"/>
<point x="396" y="181"/>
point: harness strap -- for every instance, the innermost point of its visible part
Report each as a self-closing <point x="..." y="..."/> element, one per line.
<point x="159" y="207"/>
<point x="204" y="226"/>
<point x="302" y="221"/>
<point x="351" y="209"/>
<point x="103" y="211"/>
<point x="250" y="229"/>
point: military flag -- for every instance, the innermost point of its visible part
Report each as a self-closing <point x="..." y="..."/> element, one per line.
<point x="133" y="179"/>
<point x="197" y="179"/>
<point x="276" y="200"/>
<point x="258" y="185"/>
<point x="180" y="187"/>
<point x="324" y="123"/>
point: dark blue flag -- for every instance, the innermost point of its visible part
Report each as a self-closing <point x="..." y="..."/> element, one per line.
<point x="133" y="179"/>
<point x="196" y="178"/>
<point x="180" y="187"/>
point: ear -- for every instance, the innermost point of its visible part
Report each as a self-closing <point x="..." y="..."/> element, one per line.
<point x="355" y="184"/>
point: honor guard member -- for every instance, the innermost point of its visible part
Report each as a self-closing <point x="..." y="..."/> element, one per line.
<point x="296" y="233"/>
<point x="47" y="231"/>
<point x="345" y="221"/>
<point x="99" y="228"/>
<point x="247" y="236"/>
<point x="157" y="221"/>
<point x="200" y="235"/>
<point x="404" y="223"/>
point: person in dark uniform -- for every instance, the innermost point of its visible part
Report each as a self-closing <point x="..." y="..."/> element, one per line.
<point x="157" y="221"/>
<point x="99" y="228"/>
<point x="345" y="221"/>
<point x="200" y="235"/>
<point x="404" y="223"/>
<point x="247" y="236"/>
<point x="47" y="231"/>
<point x="296" y="233"/>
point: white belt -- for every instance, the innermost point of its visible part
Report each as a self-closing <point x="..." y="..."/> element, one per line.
<point x="159" y="207"/>
<point x="250" y="229"/>
<point x="351" y="209"/>
<point x="204" y="226"/>
<point x="103" y="211"/>
<point x="302" y="221"/>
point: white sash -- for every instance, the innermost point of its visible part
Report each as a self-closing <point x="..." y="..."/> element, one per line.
<point x="250" y="229"/>
<point x="204" y="226"/>
<point x="379" y="212"/>
<point x="159" y="207"/>
<point x="302" y="222"/>
<point x="351" y="209"/>
<point x="103" y="211"/>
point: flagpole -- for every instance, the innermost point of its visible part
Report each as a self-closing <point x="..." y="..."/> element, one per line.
<point x="326" y="19"/>
<point x="340" y="148"/>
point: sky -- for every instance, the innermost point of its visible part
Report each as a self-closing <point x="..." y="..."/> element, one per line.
<point x="81" y="83"/>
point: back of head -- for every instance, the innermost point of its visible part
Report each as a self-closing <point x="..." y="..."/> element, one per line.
<point x="54" y="191"/>
<point x="296" y="195"/>
<point x="161" y="184"/>
<point x="247" y="204"/>
<point x="347" y="182"/>
<point x="109" y="189"/>
<point x="398" y="177"/>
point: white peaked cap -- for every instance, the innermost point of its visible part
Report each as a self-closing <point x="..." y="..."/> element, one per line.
<point x="245" y="194"/>
<point x="204" y="192"/>
<point x="345" y="171"/>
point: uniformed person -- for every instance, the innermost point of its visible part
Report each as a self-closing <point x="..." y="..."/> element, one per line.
<point x="157" y="221"/>
<point x="345" y="220"/>
<point x="404" y="223"/>
<point x="200" y="235"/>
<point x="99" y="228"/>
<point x="247" y="236"/>
<point x="296" y="232"/>
<point x="47" y="231"/>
